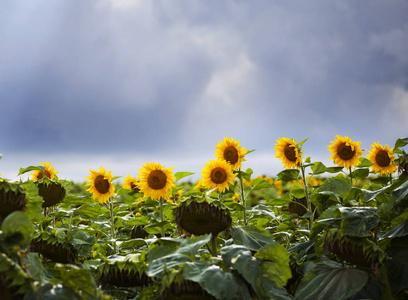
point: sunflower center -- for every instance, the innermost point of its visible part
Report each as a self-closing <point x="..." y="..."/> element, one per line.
<point x="157" y="179"/>
<point x="40" y="175"/>
<point x="218" y="175"/>
<point x="345" y="152"/>
<point x="231" y="155"/>
<point x="290" y="153"/>
<point x="101" y="184"/>
<point x="47" y="173"/>
<point x="382" y="158"/>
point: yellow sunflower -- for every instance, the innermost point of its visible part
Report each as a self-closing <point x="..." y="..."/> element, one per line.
<point x="382" y="158"/>
<point x="49" y="172"/>
<point x="230" y="151"/>
<point x="217" y="174"/>
<point x="288" y="152"/>
<point x="156" y="181"/>
<point x="101" y="186"/>
<point x="131" y="183"/>
<point x="345" y="152"/>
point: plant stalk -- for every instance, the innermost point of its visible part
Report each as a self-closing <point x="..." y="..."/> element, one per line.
<point x="161" y="216"/>
<point x="241" y="183"/>
<point x="351" y="177"/>
<point x="214" y="246"/>
<point x="309" y="203"/>
<point x="112" y="221"/>
<point x="386" y="282"/>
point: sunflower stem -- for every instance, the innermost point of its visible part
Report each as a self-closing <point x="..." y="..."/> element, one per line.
<point x="309" y="204"/>
<point x="214" y="246"/>
<point x="161" y="216"/>
<point x="112" y="221"/>
<point x="351" y="177"/>
<point x="386" y="282"/>
<point x="241" y="183"/>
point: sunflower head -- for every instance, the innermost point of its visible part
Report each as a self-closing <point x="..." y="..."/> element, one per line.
<point x="382" y="159"/>
<point x="345" y="152"/>
<point x="217" y="174"/>
<point x="288" y="152"/>
<point x="156" y="181"/>
<point x="131" y="183"/>
<point x="230" y="151"/>
<point x="100" y="185"/>
<point x="49" y="171"/>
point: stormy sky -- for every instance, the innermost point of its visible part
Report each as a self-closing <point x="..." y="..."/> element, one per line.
<point x="120" y="83"/>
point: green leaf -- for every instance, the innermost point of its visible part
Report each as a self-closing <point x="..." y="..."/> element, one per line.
<point x="31" y="168"/>
<point x="400" y="231"/>
<point x="288" y="175"/>
<point x="318" y="168"/>
<point x="358" y="221"/>
<point x="89" y="211"/>
<point x="281" y="201"/>
<point x="401" y="142"/>
<point x="180" y="175"/>
<point x="331" y="281"/>
<point x="400" y="194"/>
<point x="215" y="280"/>
<point x="334" y="169"/>
<point x="364" y="163"/>
<point x="360" y="173"/>
<point x="17" y="229"/>
<point x="260" y="183"/>
<point x="35" y="267"/>
<point x="275" y="263"/>
<point x="297" y="191"/>
<point x="302" y="142"/>
<point x="252" y="238"/>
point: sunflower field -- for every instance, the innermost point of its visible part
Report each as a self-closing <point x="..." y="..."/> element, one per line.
<point x="310" y="232"/>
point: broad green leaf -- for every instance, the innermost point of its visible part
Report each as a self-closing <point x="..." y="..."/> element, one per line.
<point x="334" y="169"/>
<point x="180" y="175"/>
<point x="17" y="229"/>
<point x="397" y="232"/>
<point x="31" y="168"/>
<point x="400" y="194"/>
<point x="401" y="142"/>
<point x="275" y="263"/>
<point x="281" y="201"/>
<point x="222" y="285"/>
<point x="302" y="142"/>
<point x="297" y="191"/>
<point x="331" y="281"/>
<point x="288" y="175"/>
<point x="360" y="173"/>
<point x="358" y="221"/>
<point x="318" y="168"/>
<point x="364" y="163"/>
<point x="260" y="183"/>
<point x="79" y="279"/>
<point x="90" y="211"/>
<point x="248" y="173"/>
<point x="35" y="267"/>
<point x="252" y="238"/>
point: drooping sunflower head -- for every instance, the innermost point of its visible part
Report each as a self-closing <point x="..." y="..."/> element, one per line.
<point x="100" y="185"/>
<point x="382" y="159"/>
<point x="345" y="152"/>
<point x="230" y="151"/>
<point x="217" y="174"/>
<point x="288" y="152"/>
<point x="49" y="171"/>
<point x="131" y="183"/>
<point x="156" y="181"/>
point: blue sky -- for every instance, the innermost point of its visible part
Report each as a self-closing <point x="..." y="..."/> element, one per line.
<point x="120" y="83"/>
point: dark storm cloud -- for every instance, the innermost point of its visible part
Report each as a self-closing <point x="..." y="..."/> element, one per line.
<point x="117" y="76"/>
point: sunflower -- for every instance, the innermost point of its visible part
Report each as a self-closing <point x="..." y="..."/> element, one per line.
<point x="288" y="152"/>
<point x="49" y="172"/>
<point x="101" y="186"/>
<point x="345" y="152"/>
<point x="131" y="183"/>
<point x="156" y="181"/>
<point x="230" y="151"/>
<point x="217" y="174"/>
<point x="382" y="158"/>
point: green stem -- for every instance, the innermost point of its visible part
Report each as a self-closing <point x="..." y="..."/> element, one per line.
<point x="214" y="245"/>
<point x="161" y="216"/>
<point x="386" y="282"/>
<point x="112" y="221"/>
<point x="351" y="176"/>
<point x="241" y="183"/>
<point x="309" y="203"/>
